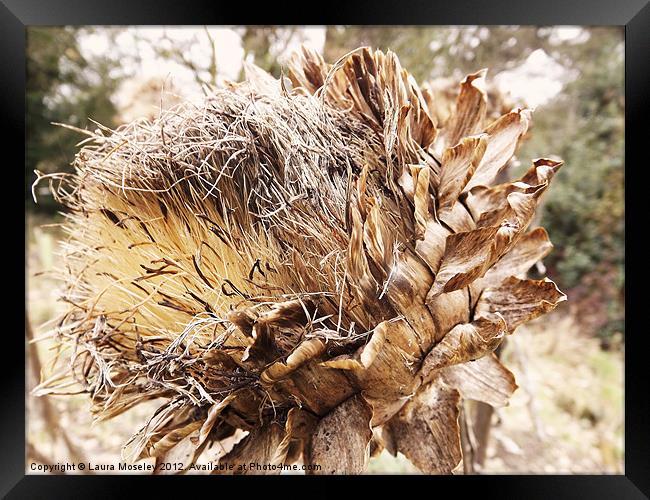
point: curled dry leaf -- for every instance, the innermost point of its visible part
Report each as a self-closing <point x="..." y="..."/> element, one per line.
<point x="260" y="447"/>
<point x="470" y="110"/>
<point x="484" y="379"/>
<point x="307" y="350"/>
<point x="341" y="441"/>
<point x="483" y="199"/>
<point x="182" y="444"/>
<point x="503" y="139"/>
<point x="519" y="301"/>
<point x="458" y="166"/>
<point x="469" y="255"/>
<point x="531" y="248"/>
<point x="306" y="260"/>
<point x="466" y="342"/>
<point x="426" y="429"/>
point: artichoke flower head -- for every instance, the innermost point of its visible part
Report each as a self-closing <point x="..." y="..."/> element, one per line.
<point x="314" y="260"/>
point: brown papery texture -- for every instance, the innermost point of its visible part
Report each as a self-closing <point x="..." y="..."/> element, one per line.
<point x="319" y="261"/>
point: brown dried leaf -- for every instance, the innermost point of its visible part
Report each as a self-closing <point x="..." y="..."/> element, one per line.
<point x="388" y="440"/>
<point x="391" y="358"/>
<point x="470" y="109"/>
<point x="448" y="310"/>
<point x="520" y="300"/>
<point x="299" y="427"/>
<point x="465" y="342"/>
<point x="409" y="283"/>
<point x="341" y="441"/>
<point x="376" y="443"/>
<point x="432" y="247"/>
<point x="458" y="165"/>
<point x="468" y="256"/>
<point x="383" y="409"/>
<point x="484" y="199"/>
<point x="358" y="269"/>
<point x="288" y="314"/>
<point x="318" y="388"/>
<point x="421" y="198"/>
<point x="503" y="138"/>
<point x="174" y="438"/>
<point x="166" y="417"/>
<point x="484" y="379"/>
<point x="303" y="353"/>
<point x="531" y="248"/>
<point x="423" y="129"/>
<point x="260" y="446"/>
<point x="214" y="411"/>
<point x="518" y="210"/>
<point x="263" y="349"/>
<point x="458" y="219"/>
<point x="426" y="429"/>
<point x="300" y="423"/>
<point x="378" y="239"/>
<point x="541" y="171"/>
<point x="364" y="356"/>
<point x="181" y="445"/>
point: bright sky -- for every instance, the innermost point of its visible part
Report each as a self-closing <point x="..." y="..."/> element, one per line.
<point x="534" y="82"/>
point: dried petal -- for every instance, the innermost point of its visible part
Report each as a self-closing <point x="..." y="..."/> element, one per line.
<point x="465" y="343"/>
<point x="426" y="430"/>
<point x="484" y="379"/>
<point x="470" y="108"/>
<point x="503" y="138"/>
<point x="341" y="441"/>
<point x="260" y="446"/>
<point x="520" y="300"/>
<point x="305" y="352"/>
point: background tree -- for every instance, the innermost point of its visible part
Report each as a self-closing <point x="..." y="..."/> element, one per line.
<point x="586" y="214"/>
<point x="434" y="52"/>
<point x="63" y="86"/>
<point x="263" y="44"/>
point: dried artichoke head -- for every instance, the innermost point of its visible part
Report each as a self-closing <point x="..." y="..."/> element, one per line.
<point x="313" y="260"/>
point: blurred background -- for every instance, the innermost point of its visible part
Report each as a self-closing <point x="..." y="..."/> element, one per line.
<point x="567" y="415"/>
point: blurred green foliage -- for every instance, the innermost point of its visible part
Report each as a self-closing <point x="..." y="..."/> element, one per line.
<point x="63" y="86"/>
<point x="584" y="211"/>
<point x="432" y="52"/>
<point x="264" y="43"/>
